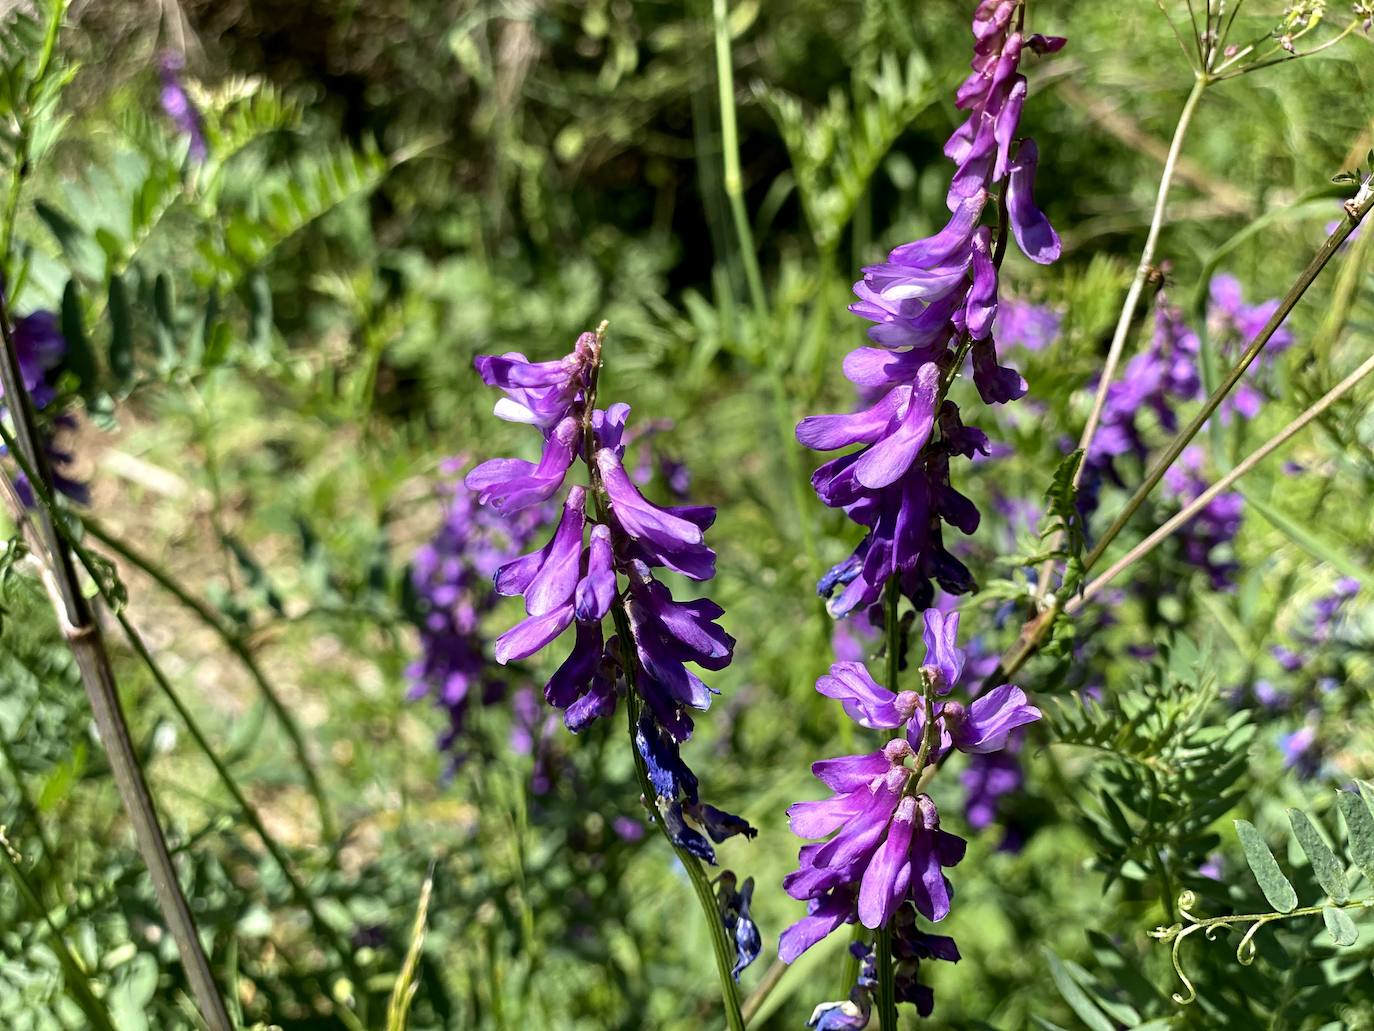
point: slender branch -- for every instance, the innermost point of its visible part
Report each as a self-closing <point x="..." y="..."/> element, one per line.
<point x="239" y="647"/>
<point x="88" y="646"/>
<point x="887" y="985"/>
<point x="1205" y="498"/>
<point x="1128" y="308"/>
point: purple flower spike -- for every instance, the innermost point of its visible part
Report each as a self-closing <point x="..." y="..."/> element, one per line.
<point x="1034" y="234"/>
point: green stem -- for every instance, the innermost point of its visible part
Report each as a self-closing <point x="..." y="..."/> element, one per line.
<point x="734" y="182"/>
<point x="887" y="986"/>
<point x="241" y="651"/>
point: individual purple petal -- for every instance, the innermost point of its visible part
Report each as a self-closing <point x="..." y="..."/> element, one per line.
<point x="824" y="916"/>
<point x="531" y="634"/>
<point x="981" y="306"/>
<point x="831" y="432"/>
<point x="888" y="459"/>
<point x="556" y="579"/>
<point x="944" y="657"/>
<point x="885" y="881"/>
<point x="570" y="681"/>
<point x="865" y="702"/>
<point x="817" y="819"/>
<point x="510" y="484"/>
<point x="851" y="772"/>
<point x="596" y="590"/>
<point x="597" y="703"/>
<point x="949" y="242"/>
<point x="1034" y="234"/>
<point x="987" y="722"/>
<point x="996" y="384"/>
<point x="684" y="836"/>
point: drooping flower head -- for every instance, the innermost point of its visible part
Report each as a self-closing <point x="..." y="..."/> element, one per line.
<point x="934" y="302"/>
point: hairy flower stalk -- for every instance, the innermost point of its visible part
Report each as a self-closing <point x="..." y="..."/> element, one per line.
<point x="599" y="564"/>
<point x="934" y="306"/>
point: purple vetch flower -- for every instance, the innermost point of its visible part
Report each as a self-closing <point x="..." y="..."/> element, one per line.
<point x="884" y="844"/>
<point x="1024" y="324"/>
<point x="450" y="576"/>
<point x="177" y="104"/>
<point x="1326" y="609"/>
<point x="609" y="535"/>
<point x="1302" y="751"/>
<point x="933" y="301"/>
<point x="1212" y="528"/>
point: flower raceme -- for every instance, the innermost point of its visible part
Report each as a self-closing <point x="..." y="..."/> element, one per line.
<point x="932" y="303"/>
<point x="608" y="533"/>
<point x="885" y="846"/>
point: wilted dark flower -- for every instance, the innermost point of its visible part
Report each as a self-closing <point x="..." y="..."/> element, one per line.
<point x="739" y="924"/>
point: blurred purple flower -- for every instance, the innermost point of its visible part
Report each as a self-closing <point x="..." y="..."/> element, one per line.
<point x="177" y="105"/>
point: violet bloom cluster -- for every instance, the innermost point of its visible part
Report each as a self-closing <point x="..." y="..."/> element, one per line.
<point x="450" y="576"/>
<point x="178" y="107"/>
<point x="885" y="848"/>
<point x="934" y="301"/>
<point x="41" y="348"/>
<point x="1161" y="379"/>
<point x="607" y="533"/>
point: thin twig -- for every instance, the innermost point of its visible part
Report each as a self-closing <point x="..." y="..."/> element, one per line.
<point x="1035" y="631"/>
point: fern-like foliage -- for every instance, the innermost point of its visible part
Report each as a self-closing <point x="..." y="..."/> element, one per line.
<point x="836" y="150"/>
<point x="1332" y="875"/>
<point x="1168" y="769"/>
